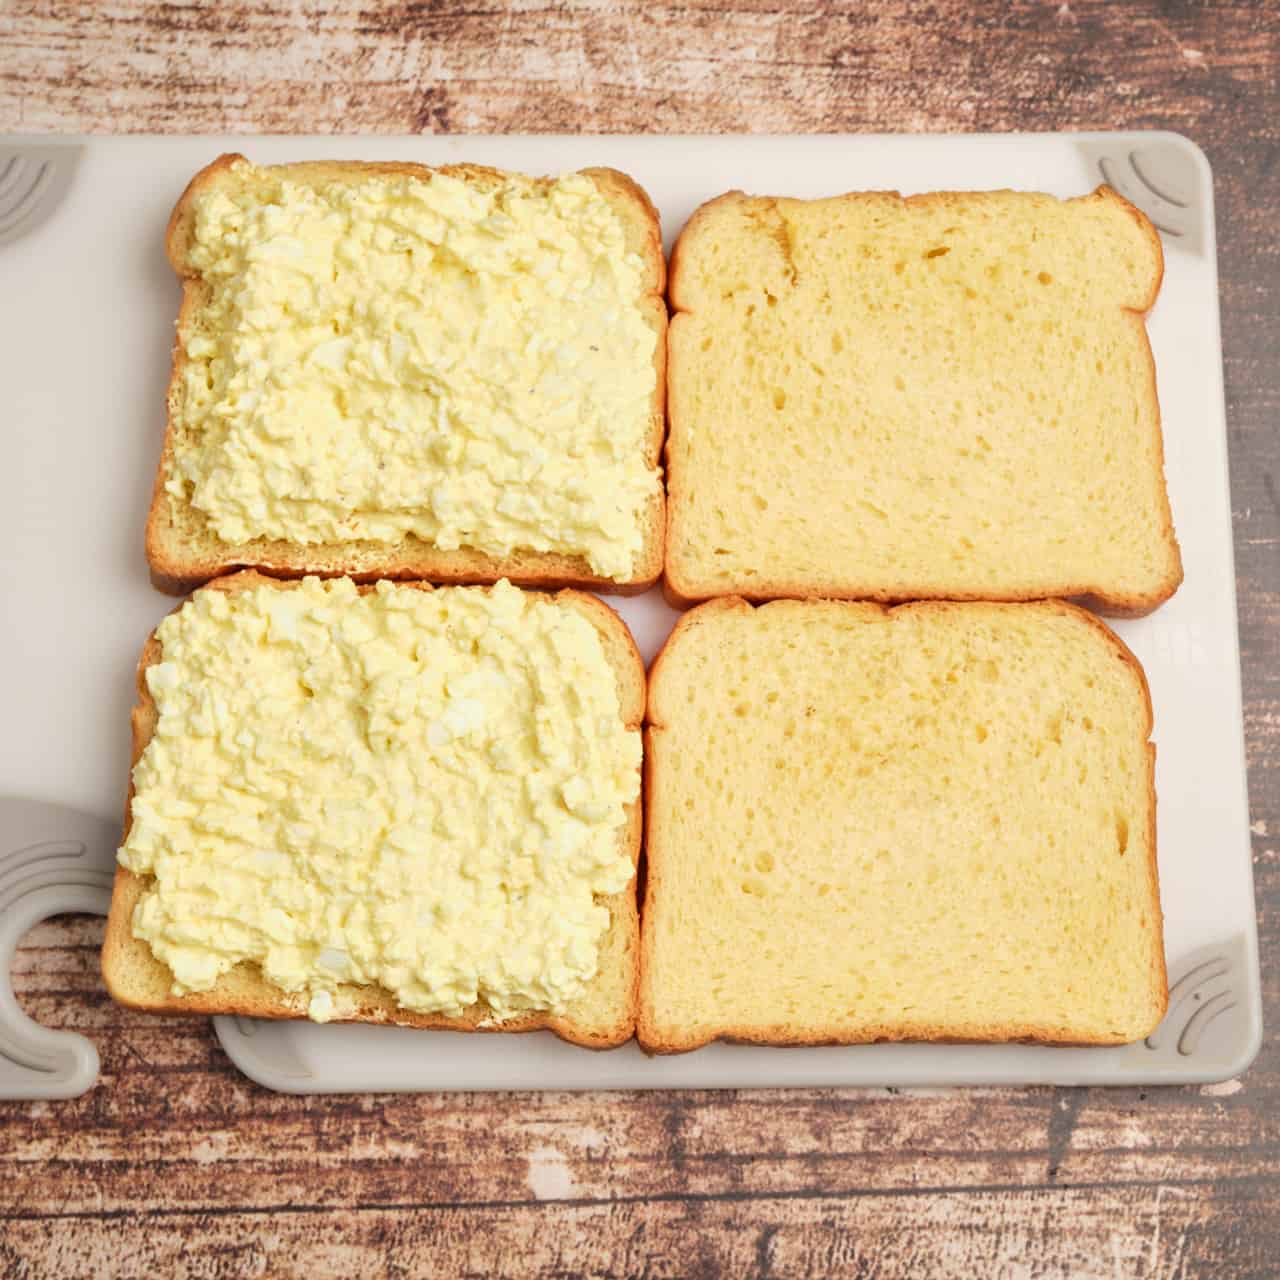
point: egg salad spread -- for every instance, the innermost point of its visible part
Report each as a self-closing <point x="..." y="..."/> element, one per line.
<point x="462" y="362"/>
<point x="420" y="790"/>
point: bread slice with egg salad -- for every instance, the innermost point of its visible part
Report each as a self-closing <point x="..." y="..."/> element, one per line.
<point x="384" y="803"/>
<point x="932" y="822"/>
<point x="392" y="371"/>
<point x="949" y="396"/>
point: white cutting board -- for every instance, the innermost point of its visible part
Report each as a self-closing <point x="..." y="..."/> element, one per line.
<point x="87" y="304"/>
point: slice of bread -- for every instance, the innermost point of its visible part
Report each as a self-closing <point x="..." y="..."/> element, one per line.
<point x="950" y="396"/>
<point x="601" y="1017"/>
<point x="934" y="822"/>
<point x="184" y="549"/>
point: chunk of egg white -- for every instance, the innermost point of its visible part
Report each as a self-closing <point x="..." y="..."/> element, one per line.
<point x="164" y="675"/>
<point x="332" y="354"/>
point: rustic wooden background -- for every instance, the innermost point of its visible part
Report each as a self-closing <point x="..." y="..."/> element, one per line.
<point x="176" y="1165"/>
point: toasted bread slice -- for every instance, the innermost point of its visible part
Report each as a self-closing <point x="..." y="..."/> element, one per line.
<point x="184" y="549"/>
<point x="934" y="822"/>
<point x="601" y="1016"/>
<point x="950" y="396"/>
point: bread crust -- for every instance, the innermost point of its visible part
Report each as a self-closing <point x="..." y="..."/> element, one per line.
<point x="177" y="567"/>
<point x="244" y="992"/>
<point x="655" y="1038"/>
<point x="683" y="589"/>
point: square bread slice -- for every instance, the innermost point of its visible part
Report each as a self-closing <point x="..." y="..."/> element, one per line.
<point x="601" y="1016"/>
<point x="933" y="822"/>
<point x="392" y="371"/>
<point x="949" y="396"/>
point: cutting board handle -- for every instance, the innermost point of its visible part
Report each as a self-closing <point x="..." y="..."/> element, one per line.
<point x="34" y="179"/>
<point x="52" y="860"/>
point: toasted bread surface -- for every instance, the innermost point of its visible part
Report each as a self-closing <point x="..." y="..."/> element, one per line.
<point x="948" y="396"/>
<point x="933" y="822"/>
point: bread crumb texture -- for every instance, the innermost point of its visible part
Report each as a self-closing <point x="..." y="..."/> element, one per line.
<point x="932" y="822"/>
<point x="464" y="360"/>
<point x="950" y="396"/>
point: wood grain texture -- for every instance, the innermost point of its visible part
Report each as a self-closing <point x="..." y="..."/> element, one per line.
<point x="176" y="1164"/>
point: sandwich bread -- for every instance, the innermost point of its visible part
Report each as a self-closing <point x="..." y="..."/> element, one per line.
<point x="933" y="822"/>
<point x="390" y="371"/>
<point x="384" y="804"/>
<point x="949" y="396"/>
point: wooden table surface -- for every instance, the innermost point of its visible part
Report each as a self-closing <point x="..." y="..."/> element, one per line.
<point x="174" y="1164"/>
